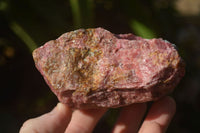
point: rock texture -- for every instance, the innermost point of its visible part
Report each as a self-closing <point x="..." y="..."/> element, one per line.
<point x="94" y="68"/>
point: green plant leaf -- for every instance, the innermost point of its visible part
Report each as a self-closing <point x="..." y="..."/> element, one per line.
<point x="142" y="30"/>
<point x="21" y="33"/>
<point x="75" y="7"/>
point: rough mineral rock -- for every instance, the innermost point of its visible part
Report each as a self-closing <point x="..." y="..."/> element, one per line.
<point x="94" y="68"/>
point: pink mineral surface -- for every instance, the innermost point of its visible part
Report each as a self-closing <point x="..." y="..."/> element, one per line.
<point x="91" y="68"/>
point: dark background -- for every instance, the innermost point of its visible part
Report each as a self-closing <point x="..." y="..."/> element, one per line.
<point x="28" y="24"/>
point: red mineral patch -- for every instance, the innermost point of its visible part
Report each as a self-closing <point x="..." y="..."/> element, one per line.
<point x="94" y="68"/>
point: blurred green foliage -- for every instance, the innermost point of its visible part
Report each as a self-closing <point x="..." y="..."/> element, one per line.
<point x="27" y="24"/>
<point x="18" y="30"/>
<point x="142" y="30"/>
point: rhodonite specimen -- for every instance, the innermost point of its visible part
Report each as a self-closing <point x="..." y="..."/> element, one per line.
<point x="91" y="68"/>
